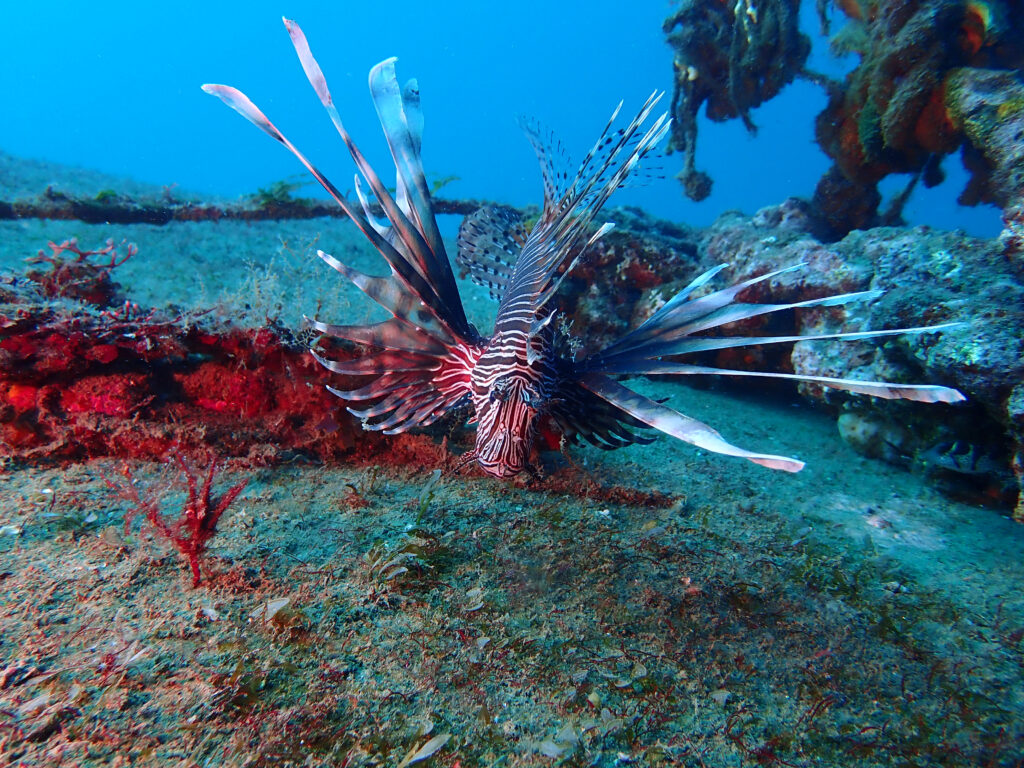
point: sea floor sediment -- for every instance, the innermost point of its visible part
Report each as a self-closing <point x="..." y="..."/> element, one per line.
<point x="847" y="615"/>
<point x="656" y="605"/>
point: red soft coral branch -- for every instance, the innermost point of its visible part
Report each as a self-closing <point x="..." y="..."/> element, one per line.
<point x="197" y="523"/>
<point x="80" y="277"/>
<point x="110" y="249"/>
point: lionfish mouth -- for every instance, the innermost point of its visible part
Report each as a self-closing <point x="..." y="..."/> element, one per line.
<point x="426" y="359"/>
<point x="500" y="471"/>
<point x="502" y="455"/>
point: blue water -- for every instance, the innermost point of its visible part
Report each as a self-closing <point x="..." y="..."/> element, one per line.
<point x="115" y="86"/>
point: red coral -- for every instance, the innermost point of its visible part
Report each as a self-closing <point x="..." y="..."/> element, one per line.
<point x="245" y="393"/>
<point x="78" y="277"/>
<point x="199" y="517"/>
<point x="74" y="385"/>
<point x="110" y="395"/>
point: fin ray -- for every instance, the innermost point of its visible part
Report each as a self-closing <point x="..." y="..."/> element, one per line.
<point x="490" y="240"/>
<point x="673" y="423"/>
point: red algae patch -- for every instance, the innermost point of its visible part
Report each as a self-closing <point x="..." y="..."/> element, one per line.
<point x="81" y="382"/>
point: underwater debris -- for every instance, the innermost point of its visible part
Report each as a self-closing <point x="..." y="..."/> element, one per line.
<point x="933" y="76"/>
<point x="732" y="57"/>
<point x="197" y="523"/>
<point x="904" y="106"/>
<point x="158" y="212"/>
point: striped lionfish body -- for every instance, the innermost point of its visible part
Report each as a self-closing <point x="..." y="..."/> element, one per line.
<point x="428" y="359"/>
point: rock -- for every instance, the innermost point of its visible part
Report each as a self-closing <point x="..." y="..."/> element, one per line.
<point x="926" y="277"/>
<point x="988" y="107"/>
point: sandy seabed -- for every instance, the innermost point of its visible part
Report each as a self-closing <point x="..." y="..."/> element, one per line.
<point x="351" y="615"/>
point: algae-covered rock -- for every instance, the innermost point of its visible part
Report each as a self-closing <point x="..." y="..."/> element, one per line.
<point x="930" y="277"/>
<point x="925" y="277"/>
<point x="988" y="107"/>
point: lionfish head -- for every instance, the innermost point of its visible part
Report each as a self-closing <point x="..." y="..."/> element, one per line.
<point x="507" y="416"/>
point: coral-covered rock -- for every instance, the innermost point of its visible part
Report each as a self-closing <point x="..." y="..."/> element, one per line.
<point x="616" y="283"/>
<point x="930" y="277"/>
<point x="791" y="215"/>
<point x="754" y="246"/>
<point x="906" y="103"/>
<point x="988" y="108"/>
<point x="1015" y="412"/>
<point x="1012" y="236"/>
<point x="78" y="383"/>
<point x="925" y="277"/>
<point x="844" y="204"/>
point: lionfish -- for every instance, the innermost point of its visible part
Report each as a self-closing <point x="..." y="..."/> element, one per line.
<point x="428" y="359"/>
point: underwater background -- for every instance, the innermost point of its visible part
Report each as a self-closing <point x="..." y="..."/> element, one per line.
<point x="127" y="99"/>
<point x="206" y="561"/>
